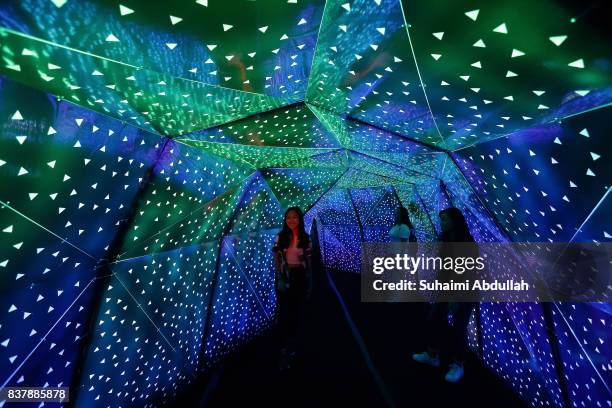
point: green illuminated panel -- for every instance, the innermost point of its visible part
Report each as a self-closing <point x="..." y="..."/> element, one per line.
<point x="375" y="166"/>
<point x="364" y="67"/>
<point x="293" y="126"/>
<point x="260" y="156"/>
<point x="492" y="68"/>
<point x="381" y="145"/>
<point x="148" y="99"/>
<point x="300" y="187"/>
<point x="203" y="224"/>
<point x="263" y="47"/>
<point x="361" y="179"/>
<point x="258" y="209"/>
<point x="186" y="181"/>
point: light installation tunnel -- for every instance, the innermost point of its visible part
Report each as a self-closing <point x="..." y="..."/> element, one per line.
<point x="148" y="152"/>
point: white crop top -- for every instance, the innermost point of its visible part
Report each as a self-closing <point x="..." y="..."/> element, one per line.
<point x="294" y="256"/>
<point x="400" y="233"/>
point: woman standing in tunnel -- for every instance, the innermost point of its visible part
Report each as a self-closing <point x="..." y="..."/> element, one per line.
<point x="402" y="231"/>
<point x="293" y="279"/>
<point x="447" y="343"/>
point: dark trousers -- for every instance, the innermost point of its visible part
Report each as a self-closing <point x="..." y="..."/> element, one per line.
<point x="291" y="306"/>
<point x="449" y="340"/>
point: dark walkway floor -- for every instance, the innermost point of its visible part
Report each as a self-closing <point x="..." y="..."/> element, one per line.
<point x="333" y="367"/>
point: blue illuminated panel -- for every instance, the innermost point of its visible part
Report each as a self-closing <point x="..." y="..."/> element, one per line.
<point x="505" y="352"/>
<point x="68" y="168"/>
<point x="583" y="332"/>
<point x="130" y="357"/>
<point x="376" y="209"/>
<point x="45" y="302"/>
<point x="188" y="186"/>
<point x="542" y="183"/>
<point x="239" y="311"/>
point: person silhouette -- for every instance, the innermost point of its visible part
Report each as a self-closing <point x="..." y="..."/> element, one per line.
<point x="447" y="343"/>
<point x="293" y="280"/>
<point x="402" y="230"/>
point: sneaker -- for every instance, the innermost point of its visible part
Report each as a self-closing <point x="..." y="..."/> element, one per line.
<point x="427" y="358"/>
<point x="455" y="373"/>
